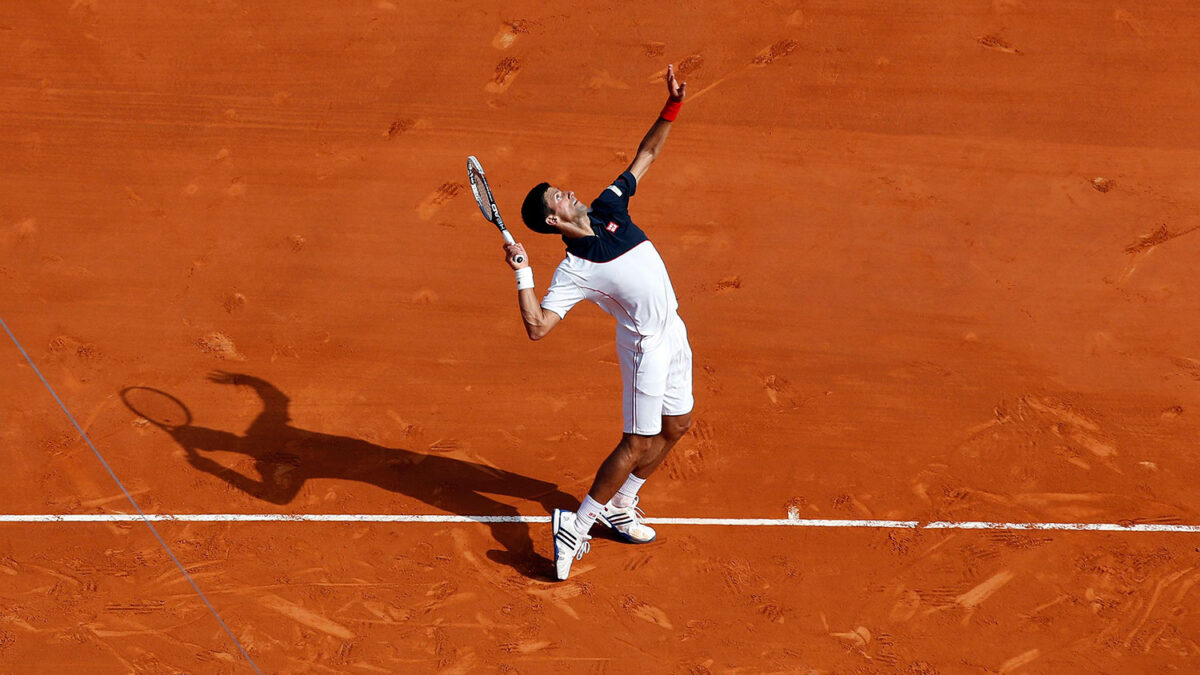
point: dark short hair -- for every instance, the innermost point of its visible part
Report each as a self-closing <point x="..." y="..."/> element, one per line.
<point x="534" y="210"/>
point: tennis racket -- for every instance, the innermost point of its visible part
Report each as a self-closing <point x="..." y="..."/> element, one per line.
<point x="157" y="407"/>
<point x="487" y="203"/>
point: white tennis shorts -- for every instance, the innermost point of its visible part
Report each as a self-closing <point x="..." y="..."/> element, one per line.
<point x="656" y="382"/>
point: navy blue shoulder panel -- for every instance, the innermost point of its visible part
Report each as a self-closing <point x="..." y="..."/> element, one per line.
<point x="614" y="231"/>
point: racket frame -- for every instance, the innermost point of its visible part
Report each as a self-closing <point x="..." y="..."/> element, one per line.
<point x="487" y="202"/>
<point x="132" y="405"/>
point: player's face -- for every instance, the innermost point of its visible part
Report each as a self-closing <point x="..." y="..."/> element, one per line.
<point x="564" y="204"/>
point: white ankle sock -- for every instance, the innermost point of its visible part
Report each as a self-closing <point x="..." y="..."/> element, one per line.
<point x="628" y="491"/>
<point x="586" y="516"/>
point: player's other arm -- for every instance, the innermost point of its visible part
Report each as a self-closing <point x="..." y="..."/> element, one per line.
<point x="652" y="143"/>
<point x="538" y="321"/>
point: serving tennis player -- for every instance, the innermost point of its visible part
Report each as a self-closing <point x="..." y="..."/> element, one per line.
<point x="611" y="262"/>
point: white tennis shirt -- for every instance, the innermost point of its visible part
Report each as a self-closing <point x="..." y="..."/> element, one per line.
<point x="618" y="268"/>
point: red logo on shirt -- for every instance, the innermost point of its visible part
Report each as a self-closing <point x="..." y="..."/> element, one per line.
<point x="612" y="227"/>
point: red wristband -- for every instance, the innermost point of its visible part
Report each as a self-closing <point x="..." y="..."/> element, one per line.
<point x="671" y="110"/>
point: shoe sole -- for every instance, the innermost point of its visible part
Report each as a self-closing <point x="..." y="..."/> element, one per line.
<point x="624" y="536"/>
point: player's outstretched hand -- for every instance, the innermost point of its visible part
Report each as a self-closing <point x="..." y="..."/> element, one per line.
<point x="676" y="90"/>
<point x="511" y="251"/>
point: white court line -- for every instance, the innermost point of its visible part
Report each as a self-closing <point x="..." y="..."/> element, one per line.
<point x="743" y="522"/>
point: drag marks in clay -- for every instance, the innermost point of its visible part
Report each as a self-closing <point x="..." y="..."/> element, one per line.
<point x="637" y="562"/>
<point x="879" y="648"/>
<point x="775" y="52"/>
<point x="1032" y="422"/>
<point x="1188" y="367"/>
<point x="221" y="346"/>
<point x="1141" y="596"/>
<point x="509" y="32"/>
<point x="766" y="56"/>
<point x="65" y="344"/>
<point x="233" y="302"/>
<point x="305" y="616"/>
<point x="728" y="284"/>
<point x="689" y="64"/>
<point x="559" y="594"/>
<point x="141" y="607"/>
<point x="1161" y="235"/>
<point x="400" y="126"/>
<point x="775" y="387"/>
<point x="749" y="587"/>
<point x="997" y="43"/>
<point x="503" y="75"/>
<point x="645" y="611"/>
<point x="438" y="198"/>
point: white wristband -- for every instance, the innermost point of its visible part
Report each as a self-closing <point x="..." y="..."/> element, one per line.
<point x="524" y="278"/>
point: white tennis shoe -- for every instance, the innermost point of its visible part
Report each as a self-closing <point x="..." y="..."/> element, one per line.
<point x="569" y="545"/>
<point x="628" y="522"/>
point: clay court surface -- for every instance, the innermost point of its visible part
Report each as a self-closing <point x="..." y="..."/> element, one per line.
<point x="936" y="261"/>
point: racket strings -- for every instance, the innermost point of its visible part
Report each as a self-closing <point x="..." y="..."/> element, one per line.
<point x="480" y="188"/>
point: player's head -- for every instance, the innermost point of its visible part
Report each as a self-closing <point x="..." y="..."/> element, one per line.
<point x="546" y="207"/>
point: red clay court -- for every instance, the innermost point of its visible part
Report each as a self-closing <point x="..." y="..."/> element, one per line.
<point x="937" y="262"/>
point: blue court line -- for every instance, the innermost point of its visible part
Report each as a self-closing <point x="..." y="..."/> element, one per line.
<point x="130" y="498"/>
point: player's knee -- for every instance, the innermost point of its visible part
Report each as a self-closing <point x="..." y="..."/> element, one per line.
<point x="673" y="430"/>
<point x="639" y="446"/>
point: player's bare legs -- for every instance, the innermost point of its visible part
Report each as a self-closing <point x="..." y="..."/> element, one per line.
<point x="637" y="455"/>
<point x="619" y="464"/>
<point x="613" y="496"/>
<point x="673" y="429"/>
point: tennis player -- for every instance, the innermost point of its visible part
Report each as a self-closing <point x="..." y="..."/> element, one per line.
<point x="611" y="262"/>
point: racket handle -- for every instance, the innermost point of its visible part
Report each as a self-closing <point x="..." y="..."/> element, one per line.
<point x="508" y="239"/>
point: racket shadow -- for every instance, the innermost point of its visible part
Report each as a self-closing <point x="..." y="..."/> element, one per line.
<point x="286" y="457"/>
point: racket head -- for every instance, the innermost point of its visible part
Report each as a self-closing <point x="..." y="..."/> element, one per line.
<point x="479" y="187"/>
<point x="157" y="407"/>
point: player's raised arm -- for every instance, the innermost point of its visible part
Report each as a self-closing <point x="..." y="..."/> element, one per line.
<point x="654" y="139"/>
<point x="538" y="321"/>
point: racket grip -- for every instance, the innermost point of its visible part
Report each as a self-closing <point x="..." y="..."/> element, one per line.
<point x="508" y="239"/>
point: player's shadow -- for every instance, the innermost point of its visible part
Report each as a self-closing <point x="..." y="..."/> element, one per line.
<point x="286" y="457"/>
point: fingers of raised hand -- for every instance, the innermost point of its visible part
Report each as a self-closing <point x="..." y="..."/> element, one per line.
<point x="675" y="88"/>
<point x="512" y="251"/>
